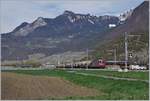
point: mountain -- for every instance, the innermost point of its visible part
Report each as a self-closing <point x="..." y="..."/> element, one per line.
<point x="125" y="15"/>
<point x="67" y="32"/>
<point x="64" y="24"/>
<point x="71" y="33"/>
<point x="137" y="27"/>
<point x="137" y="22"/>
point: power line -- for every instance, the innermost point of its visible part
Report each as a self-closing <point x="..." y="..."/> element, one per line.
<point x="126" y="46"/>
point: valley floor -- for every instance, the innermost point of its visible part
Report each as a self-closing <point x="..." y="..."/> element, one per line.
<point x="63" y="84"/>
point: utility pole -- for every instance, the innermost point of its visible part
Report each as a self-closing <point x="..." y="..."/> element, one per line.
<point x="126" y="50"/>
<point x="114" y="53"/>
<point x="87" y="53"/>
<point x="72" y="62"/>
<point x="115" y="57"/>
<point x="58" y="60"/>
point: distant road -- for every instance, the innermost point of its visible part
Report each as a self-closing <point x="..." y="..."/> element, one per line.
<point x="103" y="69"/>
<point x="3" y="68"/>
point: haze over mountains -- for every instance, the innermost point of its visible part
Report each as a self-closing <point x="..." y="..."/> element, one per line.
<point x="70" y="32"/>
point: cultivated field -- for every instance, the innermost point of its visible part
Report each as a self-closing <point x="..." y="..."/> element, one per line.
<point x="19" y="86"/>
<point x="87" y="86"/>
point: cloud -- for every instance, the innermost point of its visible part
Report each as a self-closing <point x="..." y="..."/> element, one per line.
<point x="14" y="12"/>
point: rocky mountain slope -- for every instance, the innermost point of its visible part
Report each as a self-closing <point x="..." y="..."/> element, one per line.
<point x="67" y="32"/>
<point x="137" y="27"/>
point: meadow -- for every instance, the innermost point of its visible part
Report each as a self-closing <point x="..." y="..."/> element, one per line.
<point x="141" y="75"/>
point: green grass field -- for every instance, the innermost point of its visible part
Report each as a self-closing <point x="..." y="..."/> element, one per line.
<point x="130" y="74"/>
<point x="108" y="88"/>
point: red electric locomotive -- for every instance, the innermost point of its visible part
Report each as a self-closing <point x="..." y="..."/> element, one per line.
<point x="100" y="63"/>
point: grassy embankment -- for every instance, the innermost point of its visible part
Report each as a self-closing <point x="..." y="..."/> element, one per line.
<point x="109" y="89"/>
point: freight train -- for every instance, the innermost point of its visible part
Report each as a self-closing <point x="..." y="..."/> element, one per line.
<point x="97" y="63"/>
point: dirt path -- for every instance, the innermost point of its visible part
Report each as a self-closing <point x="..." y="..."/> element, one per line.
<point x="19" y="86"/>
<point x="112" y="77"/>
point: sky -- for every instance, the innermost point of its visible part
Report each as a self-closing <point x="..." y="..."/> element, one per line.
<point x="14" y="12"/>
